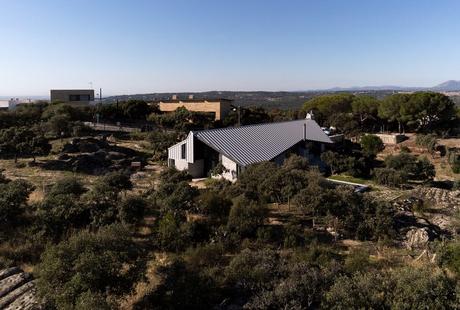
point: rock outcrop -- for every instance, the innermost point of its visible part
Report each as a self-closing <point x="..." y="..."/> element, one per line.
<point x="17" y="290"/>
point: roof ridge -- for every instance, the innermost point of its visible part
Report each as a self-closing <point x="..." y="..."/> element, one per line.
<point x="251" y="125"/>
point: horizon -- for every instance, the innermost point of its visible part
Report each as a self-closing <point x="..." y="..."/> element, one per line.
<point x="180" y="46"/>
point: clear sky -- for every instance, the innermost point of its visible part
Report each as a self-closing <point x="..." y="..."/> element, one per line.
<point x="134" y="46"/>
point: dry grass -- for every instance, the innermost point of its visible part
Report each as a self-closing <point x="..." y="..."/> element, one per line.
<point x="148" y="285"/>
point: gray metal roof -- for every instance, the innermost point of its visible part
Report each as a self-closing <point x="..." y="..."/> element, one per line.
<point x="255" y="143"/>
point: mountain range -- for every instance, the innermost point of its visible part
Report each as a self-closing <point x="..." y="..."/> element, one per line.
<point x="451" y="85"/>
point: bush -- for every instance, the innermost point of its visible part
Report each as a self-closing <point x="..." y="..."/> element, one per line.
<point x="170" y="235"/>
<point x="427" y="141"/>
<point x="406" y="288"/>
<point x="371" y="145"/>
<point x="181" y="288"/>
<point x="101" y="263"/>
<point x="213" y="204"/>
<point x="132" y="210"/>
<point x="245" y="217"/>
<point x="389" y="177"/>
<point x="13" y="199"/>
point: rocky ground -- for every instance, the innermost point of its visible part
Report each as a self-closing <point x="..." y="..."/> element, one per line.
<point x="17" y="290"/>
<point x="424" y="213"/>
<point x="93" y="156"/>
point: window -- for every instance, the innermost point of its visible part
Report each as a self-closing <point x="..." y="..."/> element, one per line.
<point x="171" y="162"/>
<point x="183" y="150"/>
<point x="79" y="97"/>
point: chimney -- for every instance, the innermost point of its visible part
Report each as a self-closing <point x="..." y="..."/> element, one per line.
<point x="190" y="97"/>
<point x="174" y="97"/>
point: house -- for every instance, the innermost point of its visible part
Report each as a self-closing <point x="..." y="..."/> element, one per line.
<point x="72" y="96"/>
<point x="238" y="147"/>
<point x="13" y="103"/>
<point x="218" y="107"/>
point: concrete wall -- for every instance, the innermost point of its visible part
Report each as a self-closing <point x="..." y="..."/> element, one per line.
<point x="64" y="95"/>
<point x="391" y="138"/>
<point x="219" y="108"/>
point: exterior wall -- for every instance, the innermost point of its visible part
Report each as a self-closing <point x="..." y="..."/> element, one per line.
<point x="175" y="153"/>
<point x="196" y="169"/>
<point x="231" y="166"/>
<point x="391" y="138"/>
<point x="219" y="108"/>
<point x="64" y="95"/>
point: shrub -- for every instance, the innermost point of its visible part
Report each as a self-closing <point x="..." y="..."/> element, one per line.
<point x="13" y="198"/>
<point x="371" y="145"/>
<point x="389" y="177"/>
<point x="213" y="204"/>
<point x="245" y="217"/>
<point x="101" y="263"/>
<point x="132" y="210"/>
<point x="427" y="141"/>
<point x="170" y="235"/>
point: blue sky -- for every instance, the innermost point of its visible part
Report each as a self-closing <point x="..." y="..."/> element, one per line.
<point x="197" y="45"/>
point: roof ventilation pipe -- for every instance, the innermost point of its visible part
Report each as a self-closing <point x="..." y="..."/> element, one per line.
<point x="305" y="132"/>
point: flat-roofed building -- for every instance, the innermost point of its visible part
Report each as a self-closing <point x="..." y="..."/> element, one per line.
<point x="219" y="107"/>
<point x="78" y="96"/>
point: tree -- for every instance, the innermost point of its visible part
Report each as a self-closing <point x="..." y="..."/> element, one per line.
<point x="22" y="141"/>
<point x="427" y="110"/>
<point x="13" y="199"/>
<point x="365" y="108"/>
<point x="101" y="263"/>
<point x="410" y="167"/>
<point x="371" y="145"/>
<point x="249" y="182"/>
<point x="333" y="160"/>
<point x="328" y="105"/>
<point x="390" y="109"/>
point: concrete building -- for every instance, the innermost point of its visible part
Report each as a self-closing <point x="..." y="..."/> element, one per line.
<point x="12" y="103"/>
<point x="75" y="96"/>
<point x="238" y="147"/>
<point x="219" y="107"/>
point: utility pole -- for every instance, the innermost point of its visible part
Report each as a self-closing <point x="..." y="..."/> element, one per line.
<point x="238" y="111"/>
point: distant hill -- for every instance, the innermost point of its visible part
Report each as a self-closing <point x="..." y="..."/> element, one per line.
<point x="447" y="86"/>
<point x="286" y="99"/>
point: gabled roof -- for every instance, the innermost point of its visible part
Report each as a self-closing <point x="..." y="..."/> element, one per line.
<point x="255" y="143"/>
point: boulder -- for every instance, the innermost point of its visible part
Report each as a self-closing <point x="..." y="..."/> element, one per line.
<point x="417" y="238"/>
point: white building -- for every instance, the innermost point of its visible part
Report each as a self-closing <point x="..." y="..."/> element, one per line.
<point x="12" y="103"/>
<point x="237" y="147"/>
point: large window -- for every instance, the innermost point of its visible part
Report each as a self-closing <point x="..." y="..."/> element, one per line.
<point x="183" y="151"/>
<point x="79" y="97"/>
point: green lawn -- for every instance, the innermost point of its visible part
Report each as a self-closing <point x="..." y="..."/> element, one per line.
<point x="347" y="178"/>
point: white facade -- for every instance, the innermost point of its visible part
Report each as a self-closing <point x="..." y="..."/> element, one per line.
<point x="231" y="172"/>
<point x="181" y="157"/>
